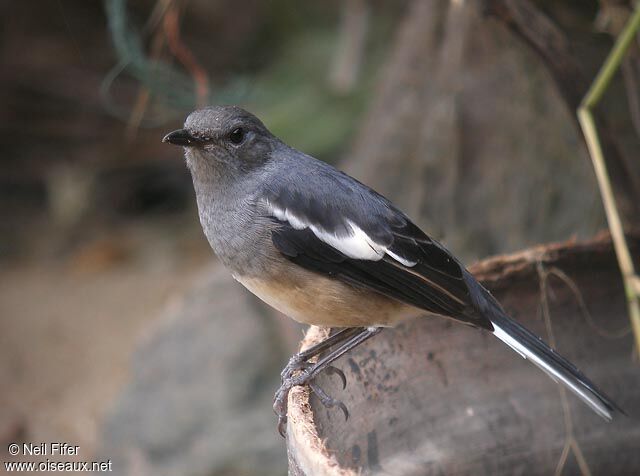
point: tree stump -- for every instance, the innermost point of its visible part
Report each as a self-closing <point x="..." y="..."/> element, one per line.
<point x="433" y="397"/>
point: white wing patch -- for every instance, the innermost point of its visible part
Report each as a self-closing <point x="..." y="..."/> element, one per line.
<point x="357" y="244"/>
<point x="284" y="215"/>
<point x="402" y="260"/>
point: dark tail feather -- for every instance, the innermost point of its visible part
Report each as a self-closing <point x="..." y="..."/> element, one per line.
<point x="532" y="348"/>
<point x="557" y="367"/>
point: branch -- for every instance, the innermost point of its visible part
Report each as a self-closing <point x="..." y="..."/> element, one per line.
<point x="595" y="93"/>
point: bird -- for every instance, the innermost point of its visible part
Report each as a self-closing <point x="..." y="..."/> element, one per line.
<point x="326" y="250"/>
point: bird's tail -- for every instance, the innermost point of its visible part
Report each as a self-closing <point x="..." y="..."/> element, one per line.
<point x="557" y="367"/>
<point x="534" y="349"/>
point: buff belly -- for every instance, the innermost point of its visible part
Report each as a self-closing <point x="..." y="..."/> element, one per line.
<point x="314" y="299"/>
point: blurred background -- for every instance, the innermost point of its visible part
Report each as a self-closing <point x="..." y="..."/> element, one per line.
<point x="118" y="330"/>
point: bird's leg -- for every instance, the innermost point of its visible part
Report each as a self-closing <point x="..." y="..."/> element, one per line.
<point x="300" y="361"/>
<point x="309" y="371"/>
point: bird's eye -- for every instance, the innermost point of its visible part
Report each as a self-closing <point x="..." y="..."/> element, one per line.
<point x="237" y="135"/>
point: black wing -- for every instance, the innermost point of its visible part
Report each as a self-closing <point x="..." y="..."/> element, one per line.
<point x="411" y="267"/>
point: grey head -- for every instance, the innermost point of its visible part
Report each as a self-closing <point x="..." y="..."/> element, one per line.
<point x="223" y="142"/>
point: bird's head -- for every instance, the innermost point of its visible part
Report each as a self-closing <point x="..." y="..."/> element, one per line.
<point x="223" y="140"/>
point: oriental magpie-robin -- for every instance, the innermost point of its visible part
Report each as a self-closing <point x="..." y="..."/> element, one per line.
<point x="326" y="250"/>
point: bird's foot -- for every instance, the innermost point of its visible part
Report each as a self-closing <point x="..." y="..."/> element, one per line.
<point x="293" y="375"/>
<point x="327" y="400"/>
<point x="296" y="363"/>
<point x="302" y="372"/>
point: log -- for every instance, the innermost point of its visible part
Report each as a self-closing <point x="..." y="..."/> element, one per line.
<point x="432" y="397"/>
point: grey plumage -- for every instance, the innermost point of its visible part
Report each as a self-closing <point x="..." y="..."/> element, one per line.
<point x="326" y="249"/>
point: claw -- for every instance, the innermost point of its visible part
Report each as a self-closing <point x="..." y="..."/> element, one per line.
<point x="331" y="370"/>
<point x="344" y="409"/>
<point x="280" y="399"/>
<point x="282" y="426"/>
<point x="280" y="409"/>
<point x="328" y="401"/>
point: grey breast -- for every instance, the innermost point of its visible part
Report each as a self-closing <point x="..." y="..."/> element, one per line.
<point x="238" y="228"/>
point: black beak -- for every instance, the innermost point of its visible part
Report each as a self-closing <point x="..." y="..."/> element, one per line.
<point x="181" y="137"/>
